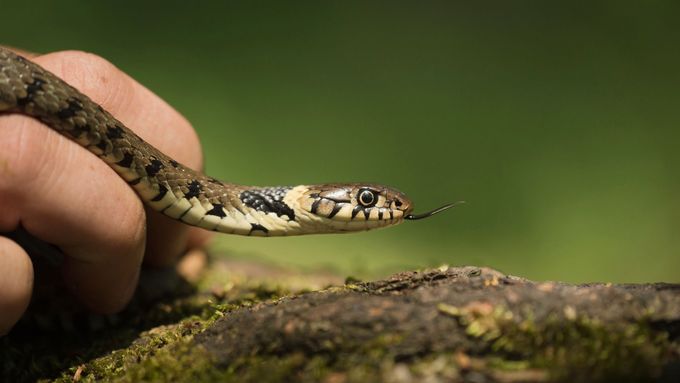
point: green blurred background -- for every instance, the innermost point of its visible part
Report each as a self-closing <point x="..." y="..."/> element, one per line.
<point x="557" y="122"/>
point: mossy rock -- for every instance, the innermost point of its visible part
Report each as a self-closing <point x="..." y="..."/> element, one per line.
<point x="447" y="324"/>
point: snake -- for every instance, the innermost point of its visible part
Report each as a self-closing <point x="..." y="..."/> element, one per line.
<point x="186" y="195"/>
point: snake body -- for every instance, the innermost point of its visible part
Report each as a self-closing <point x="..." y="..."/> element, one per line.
<point x="180" y="192"/>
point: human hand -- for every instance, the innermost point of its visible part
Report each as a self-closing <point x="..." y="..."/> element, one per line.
<point x="63" y="194"/>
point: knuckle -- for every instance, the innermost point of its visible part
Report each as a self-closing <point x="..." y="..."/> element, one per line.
<point x="93" y="62"/>
<point x="90" y="73"/>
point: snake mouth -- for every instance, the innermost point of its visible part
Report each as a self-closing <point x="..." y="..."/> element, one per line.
<point x="414" y="217"/>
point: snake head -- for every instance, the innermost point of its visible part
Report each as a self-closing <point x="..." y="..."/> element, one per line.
<point x="352" y="207"/>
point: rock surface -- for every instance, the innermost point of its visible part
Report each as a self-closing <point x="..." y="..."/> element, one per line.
<point x="464" y="323"/>
<point x="240" y="321"/>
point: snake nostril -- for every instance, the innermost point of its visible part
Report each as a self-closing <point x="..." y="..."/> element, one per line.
<point x="398" y="203"/>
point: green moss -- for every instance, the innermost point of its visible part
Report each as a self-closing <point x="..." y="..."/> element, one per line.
<point x="165" y="353"/>
<point x="570" y="348"/>
<point x="519" y="348"/>
<point x="161" y="351"/>
<point x="516" y="346"/>
<point x="147" y="341"/>
<point x="178" y="362"/>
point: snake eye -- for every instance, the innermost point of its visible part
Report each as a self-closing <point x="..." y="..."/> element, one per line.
<point x="366" y="198"/>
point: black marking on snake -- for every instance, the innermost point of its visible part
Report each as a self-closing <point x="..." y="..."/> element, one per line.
<point x="31" y="90"/>
<point x="391" y="214"/>
<point x="77" y="130"/>
<point x="184" y="213"/>
<point x="73" y="107"/>
<point x="257" y="226"/>
<point x="169" y="206"/>
<point x="217" y="210"/>
<point x="367" y="212"/>
<point x="380" y="214"/>
<point x="214" y="181"/>
<point x="356" y="210"/>
<point x="126" y="162"/>
<point x="194" y="190"/>
<point x="335" y="210"/>
<point x="153" y="167"/>
<point x="162" y="191"/>
<point x="268" y="200"/>
<point x="315" y="205"/>
<point x="101" y="145"/>
<point x="174" y="163"/>
<point x="135" y="181"/>
<point x="114" y="132"/>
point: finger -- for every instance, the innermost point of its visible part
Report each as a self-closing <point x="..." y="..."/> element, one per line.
<point x="167" y="239"/>
<point x="66" y="196"/>
<point x="16" y="283"/>
<point x="198" y="238"/>
<point x="151" y="118"/>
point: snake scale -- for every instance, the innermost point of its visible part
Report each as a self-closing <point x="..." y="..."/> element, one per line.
<point x="187" y="195"/>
